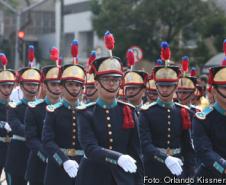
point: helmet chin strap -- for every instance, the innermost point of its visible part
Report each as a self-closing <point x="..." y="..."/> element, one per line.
<point x="168" y="94"/>
<point x="91" y="94"/>
<point x="131" y="96"/>
<point x="5" y="93"/>
<point x="30" y="92"/>
<point x="57" y="94"/>
<point x="221" y="94"/>
<point x="73" y="95"/>
<point x="113" y="91"/>
<point x="183" y="99"/>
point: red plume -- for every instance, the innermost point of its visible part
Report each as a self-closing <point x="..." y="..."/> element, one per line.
<point x="54" y="54"/>
<point x="60" y="61"/>
<point x="74" y="48"/>
<point x="3" y="59"/>
<point x="128" y="121"/>
<point x="186" y="121"/>
<point x="193" y="72"/>
<point x="130" y="57"/>
<point x="31" y="53"/>
<point x="165" y="51"/>
<point x="185" y="63"/>
<point x="89" y="62"/>
<point x="109" y="40"/>
<point x="224" y="62"/>
<point x="224" y="46"/>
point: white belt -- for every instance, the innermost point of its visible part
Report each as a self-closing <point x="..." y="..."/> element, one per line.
<point x="19" y="138"/>
<point x="5" y="139"/>
<point x="170" y="151"/>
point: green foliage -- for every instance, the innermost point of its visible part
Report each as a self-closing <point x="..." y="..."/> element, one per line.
<point x="148" y="22"/>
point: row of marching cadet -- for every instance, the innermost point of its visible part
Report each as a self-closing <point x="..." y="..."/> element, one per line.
<point x="104" y="124"/>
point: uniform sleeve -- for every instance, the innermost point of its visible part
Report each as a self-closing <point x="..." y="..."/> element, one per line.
<point x="31" y="133"/>
<point x="204" y="148"/>
<point x="135" y="150"/>
<point x="88" y="141"/>
<point x="188" y="153"/>
<point x="146" y="141"/>
<point x="18" y="128"/>
<point x="48" y="138"/>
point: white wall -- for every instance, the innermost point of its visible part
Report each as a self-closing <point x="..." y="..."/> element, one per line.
<point x="46" y="42"/>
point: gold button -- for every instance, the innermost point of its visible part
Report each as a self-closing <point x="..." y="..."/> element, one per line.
<point x="73" y="117"/>
<point x="108" y="118"/>
<point x="110" y="132"/>
<point x="168" y="116"/>
<point x="168" y="142"/>
<point x="109" y="125"/>
<point x="107" y="111"/>
<point x="73" y="111"/>
<point x="169" y="122"/>
<point x="69" y="107"/>
<point x="73" y="124"/>
<point x="111" y="140"/>
<point x="74" y="130"/>
<point x="168" y="135"/>
<point x="110" y="147"/>
<point x="73" y="143"/>
<point x="168" y="110"/>
<point x="73" y="137"/>
<point x="169" y="129"/>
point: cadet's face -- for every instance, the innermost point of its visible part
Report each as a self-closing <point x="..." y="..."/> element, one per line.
<point x="218" y="95"/>
<point x="30" y="88"/>
<point x="54" y="87"/>
<point x="185" y="96"/>
<point x="166" y="92"/>
<point x="6" y="89"/>
<point x="134" y="92"/>
<point x="73" y="87"/>
<point x="91" y="91"/>
<point x="152" y="95"/>
<point x="109" y="83"/>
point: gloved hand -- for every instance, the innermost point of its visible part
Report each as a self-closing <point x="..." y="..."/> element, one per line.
<point x="127" y="163"/>
<point x="71" y="167"/>
<point x="174" y="165"/>
<point x="6" y="126"/>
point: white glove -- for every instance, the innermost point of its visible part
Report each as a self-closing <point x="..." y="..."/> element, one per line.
<point x="127" y="163"/>
<point x="174" y="164"/>
<point x="7" y="127"/>
<point x="71" y="167"/>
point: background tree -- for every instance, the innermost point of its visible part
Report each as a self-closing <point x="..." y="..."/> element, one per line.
<point x="191" y="27"/>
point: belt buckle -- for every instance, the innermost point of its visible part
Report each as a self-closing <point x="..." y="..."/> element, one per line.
<point x="7" y="139"/>
<point x="71" y="152"/>
<point x="169" y="151"/>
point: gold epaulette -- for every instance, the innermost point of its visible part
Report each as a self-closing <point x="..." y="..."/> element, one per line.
<point x="202" y="115"/>
<point x="53" y="107"/>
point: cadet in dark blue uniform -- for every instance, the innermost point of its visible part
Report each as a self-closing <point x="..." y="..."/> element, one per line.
<point x="29" y="79"/>
<point x="209" y="127"/>
<point x="7" y="81"/>
<point x="60" y="130"/>
<point x="90" y="89"/>
<point x="134" y="85"/>
<point x="151" y="91"/>
<point x="108" y="132"/>
<point x="34" y="118"/>
<point x="164" y="127"/>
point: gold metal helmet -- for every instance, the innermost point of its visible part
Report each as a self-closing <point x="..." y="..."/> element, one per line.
<point x="110" y="66"/>
<point x="166" y="75"/>
<point x="217" y="76"/>
<point x="51" y="73"/>
<point x="187" y="83"/>
<point x="90" y="79"/>
<point x="73" y="72"/>
<point x="150" y="85"/>
<point x="28" y="74"/>
<point x="132" y="78"/>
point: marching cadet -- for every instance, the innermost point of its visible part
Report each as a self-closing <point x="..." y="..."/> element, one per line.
<point x="186" y="87"/>
<point x="134" y="86"/>
<point x="7" y="82"/>
<point x="60" y="130"/>
<point x="151" y="91"/>
<point x="164" y="127"/>
<point x="29" y="80"/>
<point x="209" y="131"/>
<point x="34" y="118"/>
<point x="108" y="130"/>
<point x="90" y="89"/>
